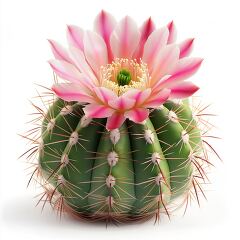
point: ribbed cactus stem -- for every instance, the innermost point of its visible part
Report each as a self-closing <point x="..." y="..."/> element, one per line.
<point x="129" y="173"/>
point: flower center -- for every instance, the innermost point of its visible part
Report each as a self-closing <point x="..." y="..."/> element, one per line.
<point x="123" y="77"/>
<point x="124" y="74"/>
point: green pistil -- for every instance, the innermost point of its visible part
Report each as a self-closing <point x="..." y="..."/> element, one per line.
<point x="123" y="77"/>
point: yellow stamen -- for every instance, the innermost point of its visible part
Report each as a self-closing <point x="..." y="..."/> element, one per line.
<point x="138" y="71"/>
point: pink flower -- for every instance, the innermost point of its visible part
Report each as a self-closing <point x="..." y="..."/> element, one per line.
<point x="121" y="71"/>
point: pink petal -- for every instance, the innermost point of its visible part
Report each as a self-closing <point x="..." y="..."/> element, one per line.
<point x="97" y="111"/>
<point x="104" y="25"/>
<point x="122" y="103"/>
<point x="165" y="62"/>
<point x="158" y="99"/>
<point x="65" y="70"/>
<point x="154" y="44"/>
<point x="71" y="92"/>
<point x="185" y="68"/>
<point x="79" y="59"/>
<point x="147" y="28"/>
<point x="104" y="94"/>
<point x="157" y="86"/>
<point x="86" y="83"/>
<point x="75" y="36"/>
<point x="183" y="90"/>
<point x="172" y="32"/>
<point x="137" y="115"/>
<point x="186" y="47"/>
<point x="125" y="38"/>
<point x="95" y="51"/>
<point x="59" y="51"/>
<point x="140" y="96"/>
<point x="69" y="72"/>
<point x="115" y="121"/>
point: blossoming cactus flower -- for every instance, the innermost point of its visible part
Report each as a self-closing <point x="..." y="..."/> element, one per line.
<point x="120" y="142"/>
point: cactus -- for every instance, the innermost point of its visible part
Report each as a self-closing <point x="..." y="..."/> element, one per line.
<point x="121" y="141"/>
<point x="130" y="173"/>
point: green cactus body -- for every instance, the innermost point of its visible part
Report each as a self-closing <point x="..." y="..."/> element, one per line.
<point x="184" y="114"/>
<point x="128" y="173"/>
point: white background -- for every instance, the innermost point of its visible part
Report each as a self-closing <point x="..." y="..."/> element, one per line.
<point x="25" y="26"/>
